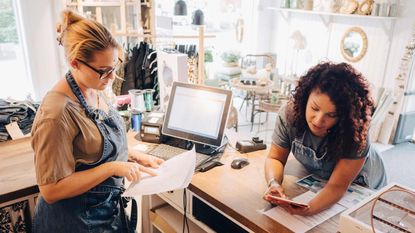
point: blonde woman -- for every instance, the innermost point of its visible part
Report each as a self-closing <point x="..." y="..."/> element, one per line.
<point x="80" y="141"/>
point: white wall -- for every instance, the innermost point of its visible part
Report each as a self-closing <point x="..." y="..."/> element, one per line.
<point x="386" y="41"/>
<point x="38" y="19"/>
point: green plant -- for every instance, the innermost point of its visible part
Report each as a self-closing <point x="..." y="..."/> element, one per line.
<point x="208" y="56"/>
<point x="230" y="56"/>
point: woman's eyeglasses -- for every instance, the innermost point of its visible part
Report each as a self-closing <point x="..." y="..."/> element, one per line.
<point x="103" y="74"/>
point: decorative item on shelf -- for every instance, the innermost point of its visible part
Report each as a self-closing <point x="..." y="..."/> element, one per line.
<point x="253" y="73"/>
<point x="192" y="70"/>
<point x="239" y="29"/>
<point x="365" y="7"/>
<point x="296" y="4"/>
<point x="318" y="5"/>
<point x="308" y="5"/>
<point x="208" y="63"/>
<point x="298" y="42"/>
<point x="375" y="9"/>
<point x="349" y="7"/>
<point x="353" y="45"/>
<point x="384" y="8"/>
<point x="230" y="58"/>
<point x="393" y="8"/>
<point x="285" y="4"/>
<point x="327" y="5"/>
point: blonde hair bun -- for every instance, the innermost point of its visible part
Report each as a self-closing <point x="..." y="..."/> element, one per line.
<point x="69" y="17"/>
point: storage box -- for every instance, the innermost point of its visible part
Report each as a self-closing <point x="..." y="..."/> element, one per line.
<point x="393" y="211"/>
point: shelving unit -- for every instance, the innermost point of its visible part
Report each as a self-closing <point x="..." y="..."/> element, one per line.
<point x="127" y="19"/>
<point x="327" y="17"/>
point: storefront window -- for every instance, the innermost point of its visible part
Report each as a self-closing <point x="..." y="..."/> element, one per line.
<point x="15" y="80"/>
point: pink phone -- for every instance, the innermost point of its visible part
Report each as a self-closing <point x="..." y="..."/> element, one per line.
<point x="291" y="202"/>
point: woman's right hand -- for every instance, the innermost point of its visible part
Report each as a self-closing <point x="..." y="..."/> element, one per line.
<point x="274" y="190"/>
<point x="130" y="170"/>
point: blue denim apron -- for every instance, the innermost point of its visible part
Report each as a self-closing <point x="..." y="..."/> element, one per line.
<point x="372" y="174"/>
<point x="101" y="208"/>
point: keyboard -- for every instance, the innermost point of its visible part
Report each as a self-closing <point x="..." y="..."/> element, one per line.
<point x="167" y="152"/>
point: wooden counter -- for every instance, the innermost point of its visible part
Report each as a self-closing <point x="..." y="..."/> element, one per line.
<point x="17" y="170"/>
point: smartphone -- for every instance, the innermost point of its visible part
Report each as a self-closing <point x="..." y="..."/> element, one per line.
<point x="291" y="202"/>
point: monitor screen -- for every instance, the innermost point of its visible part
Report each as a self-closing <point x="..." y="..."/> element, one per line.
<point x="197" y="113"/>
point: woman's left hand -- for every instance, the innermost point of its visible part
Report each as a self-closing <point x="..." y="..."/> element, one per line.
<point x="145" y="159"/>
<point x="302" y="211"/>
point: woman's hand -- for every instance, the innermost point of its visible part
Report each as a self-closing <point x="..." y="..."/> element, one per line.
<point x="145" y="159"/>
<point x="275" y="190"/>
<point x="297" y="210"/>
<point x="130" y="170"/>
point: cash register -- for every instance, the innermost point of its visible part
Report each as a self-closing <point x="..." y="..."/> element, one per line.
<point x="196" y="115"/>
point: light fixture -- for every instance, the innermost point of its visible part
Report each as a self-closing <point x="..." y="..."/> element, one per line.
<point x="198" y="18"/>
<point x="180" y="8"/>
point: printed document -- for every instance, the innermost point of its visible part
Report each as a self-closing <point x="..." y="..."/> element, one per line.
<point x="175" y="173"/>
<point x="355" y="193"/>
<point x="298" y="223"/>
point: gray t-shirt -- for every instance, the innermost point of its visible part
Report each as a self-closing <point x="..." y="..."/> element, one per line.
<point x="372" y="173"/>
<point x="285" y="133"/>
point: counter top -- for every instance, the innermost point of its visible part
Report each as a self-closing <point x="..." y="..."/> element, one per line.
<point x="17" y="170"/>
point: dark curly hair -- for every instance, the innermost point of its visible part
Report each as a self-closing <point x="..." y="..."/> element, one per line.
<point x="349" y="91"/>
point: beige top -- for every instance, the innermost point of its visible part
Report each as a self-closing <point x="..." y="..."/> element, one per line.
<point x="62" y="137"/>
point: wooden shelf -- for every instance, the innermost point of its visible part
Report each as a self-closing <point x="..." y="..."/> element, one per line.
<point x="167" y="218"/>
<point x="100" y="4"/>
<point x="331" y="14"/>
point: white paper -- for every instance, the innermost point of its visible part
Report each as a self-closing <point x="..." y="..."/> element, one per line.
<point x="153" y="120"/>
<point x="355" y="193"/>
<point x="156" y="114"/>
<point x="175" y="173"/>
<point x="303" y="223"/>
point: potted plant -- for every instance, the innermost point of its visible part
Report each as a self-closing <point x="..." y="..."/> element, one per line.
<point x="231" y="58"/>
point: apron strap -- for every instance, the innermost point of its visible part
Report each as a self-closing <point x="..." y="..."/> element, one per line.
<point x="131" y="224"/>
<point x="77" y="92"/>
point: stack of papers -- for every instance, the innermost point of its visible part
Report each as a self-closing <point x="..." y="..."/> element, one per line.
<point x="175" y="173"/>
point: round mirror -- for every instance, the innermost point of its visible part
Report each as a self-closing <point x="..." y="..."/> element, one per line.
<point x="354" y="44"/>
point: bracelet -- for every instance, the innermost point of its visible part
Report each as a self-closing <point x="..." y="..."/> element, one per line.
<point x="272" y="182"/>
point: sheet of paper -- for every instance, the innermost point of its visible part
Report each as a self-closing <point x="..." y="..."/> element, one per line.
<point x="175" y="173"/>
<point x="300" y="223"/>
<point x="153" y="120"/>
<point x="355" y="193"/>
<point x="156" y="114"/>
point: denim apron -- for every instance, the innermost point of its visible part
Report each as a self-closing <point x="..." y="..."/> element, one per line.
<point x="100" y="209"/>
<point x="318" y="163"/>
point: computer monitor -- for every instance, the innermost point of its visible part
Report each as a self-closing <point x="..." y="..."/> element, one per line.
<point x="197" y="113"/>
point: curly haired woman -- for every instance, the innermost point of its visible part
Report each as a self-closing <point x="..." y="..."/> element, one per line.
<point x="326" y="128"/>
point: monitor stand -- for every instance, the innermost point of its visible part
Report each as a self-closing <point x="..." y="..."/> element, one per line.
<point x="188" y="145"/>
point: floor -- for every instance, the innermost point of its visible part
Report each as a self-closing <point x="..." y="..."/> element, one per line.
<point x="399" y="159"/>
<point x="399" y="163"/>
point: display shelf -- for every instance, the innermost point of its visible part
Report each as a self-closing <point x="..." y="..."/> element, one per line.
<point x="388" y="23"/>
<point x="125" y="16"/>
<point x="331" y="14"/>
